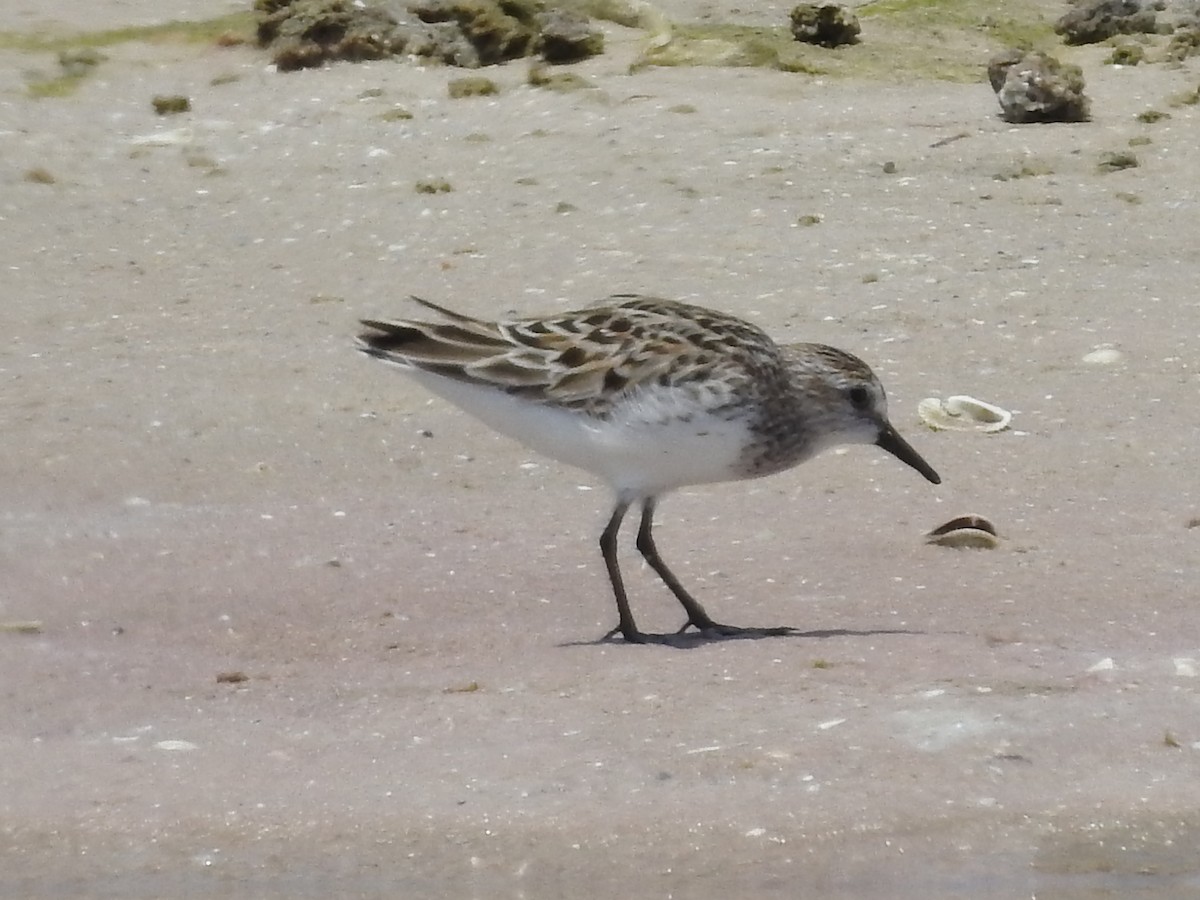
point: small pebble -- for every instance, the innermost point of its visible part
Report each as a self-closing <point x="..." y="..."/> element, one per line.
<point x="175" y="745"/>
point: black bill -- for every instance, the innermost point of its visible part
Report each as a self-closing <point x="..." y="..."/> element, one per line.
<point x="890" y="440"/>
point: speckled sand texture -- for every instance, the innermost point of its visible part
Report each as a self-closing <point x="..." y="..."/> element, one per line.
<point x="308" y="632"/>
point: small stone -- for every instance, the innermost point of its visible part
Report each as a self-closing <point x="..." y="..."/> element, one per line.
<point x="433" y="186"/>
<point x="171" y="104"/>
<point x="471" y="86"/>
<point x="1104" y="356"/>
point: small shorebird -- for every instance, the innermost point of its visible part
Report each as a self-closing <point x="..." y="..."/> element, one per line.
<point x="649" y="395"/>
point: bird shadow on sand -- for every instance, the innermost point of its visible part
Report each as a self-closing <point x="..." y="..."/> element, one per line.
<point x="690" y="640"/>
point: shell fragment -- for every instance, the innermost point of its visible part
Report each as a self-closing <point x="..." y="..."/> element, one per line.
<point x="962" y="532"/>
<point x="962" y="413"/>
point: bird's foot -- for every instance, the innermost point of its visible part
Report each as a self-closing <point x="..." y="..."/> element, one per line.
<point x="705" y="631"/>
<point x="635" y="636"/>
<point x="715" y="631"/>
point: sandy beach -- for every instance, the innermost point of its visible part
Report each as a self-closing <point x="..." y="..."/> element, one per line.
<point x="278" y="623"/>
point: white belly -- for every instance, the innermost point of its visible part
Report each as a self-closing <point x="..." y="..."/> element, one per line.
<point x="651" y="445"/>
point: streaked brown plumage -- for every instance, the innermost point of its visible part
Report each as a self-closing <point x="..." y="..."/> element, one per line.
<point x="650" y="395"/>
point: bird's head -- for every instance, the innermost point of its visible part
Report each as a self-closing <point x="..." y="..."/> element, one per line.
<point x="847" y="402"/>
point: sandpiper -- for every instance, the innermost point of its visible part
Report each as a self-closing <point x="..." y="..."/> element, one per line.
<point x="649" y="395"/>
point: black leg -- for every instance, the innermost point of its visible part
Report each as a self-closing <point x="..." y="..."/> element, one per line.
<point x="697" y="617"/>
<point x="608" y="547"/>
<point x="645" y="544"/>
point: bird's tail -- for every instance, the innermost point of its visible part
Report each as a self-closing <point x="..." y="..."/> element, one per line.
<point x="460" y="340"/>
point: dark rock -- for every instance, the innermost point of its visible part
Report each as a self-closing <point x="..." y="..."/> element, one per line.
<point x="568" y="36"/>
<point x="1035" y="87"/>
<point x="1092" y="21"/>
<point x="170" y="104"/>
<point x="443" y="41"/>
<point x="467" y="33"/>
<point x="826" y="24"/>
<point x="307" y="33"/>
<point x="498" y="32"/>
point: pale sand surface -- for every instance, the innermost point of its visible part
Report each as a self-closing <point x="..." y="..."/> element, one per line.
<point x="200" y="476"/>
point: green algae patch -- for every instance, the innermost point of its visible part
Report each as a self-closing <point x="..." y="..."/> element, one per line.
<point x="74" y="65"/>
<point x="901" y="40"/>
<point x="232" y="28"/>
<point x="79" y="55"/>
<point x="952" y="39"/>
<point x="53" y="87"/>
<point x="731" y="46"/>
<point x="1018" y="23"/>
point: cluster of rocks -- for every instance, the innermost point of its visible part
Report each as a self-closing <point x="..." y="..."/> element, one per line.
<point x="1030" y="86"/>
<point x="1036" y="87"/>
<point x="468" y="33"/>
<point x="1092" y="21"/>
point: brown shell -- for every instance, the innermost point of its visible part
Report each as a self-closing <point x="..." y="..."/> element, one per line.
<point x="969" y="531"/>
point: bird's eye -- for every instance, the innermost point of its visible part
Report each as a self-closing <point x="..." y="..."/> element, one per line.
<point x="859" y="396"/>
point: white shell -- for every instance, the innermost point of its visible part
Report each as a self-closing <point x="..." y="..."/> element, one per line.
<point x="1104" y="355"/>
<point x="963" y="413"/>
